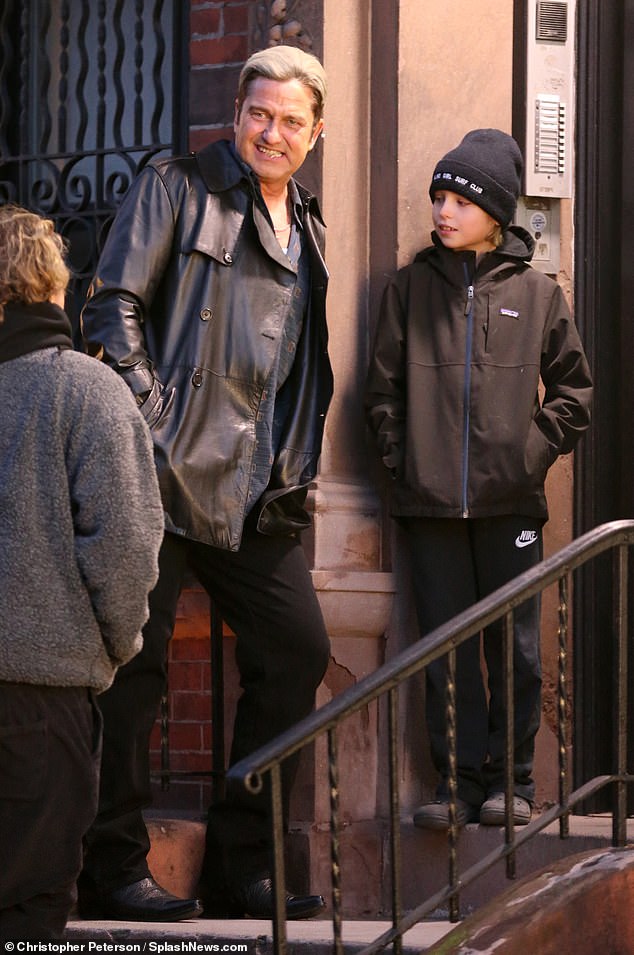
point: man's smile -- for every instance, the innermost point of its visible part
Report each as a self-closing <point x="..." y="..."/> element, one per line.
<point x="267" y="151"/>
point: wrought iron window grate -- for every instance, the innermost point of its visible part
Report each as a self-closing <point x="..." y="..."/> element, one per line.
<point x="89" y="93"/>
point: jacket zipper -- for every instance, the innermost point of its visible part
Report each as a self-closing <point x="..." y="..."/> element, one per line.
<point x="466" y="417"/>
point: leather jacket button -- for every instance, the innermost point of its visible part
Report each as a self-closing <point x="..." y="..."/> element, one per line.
<point x="227" y="258"/>
<point x="206" y="313"/>
<point x="197" y="379"/>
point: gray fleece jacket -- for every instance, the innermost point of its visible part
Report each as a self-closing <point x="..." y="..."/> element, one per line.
<point x="81" y="520"/>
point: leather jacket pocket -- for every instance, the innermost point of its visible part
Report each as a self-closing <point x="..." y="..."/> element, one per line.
<point x="158" y="403"/>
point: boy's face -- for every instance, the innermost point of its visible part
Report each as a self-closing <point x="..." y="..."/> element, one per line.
<point x="460" y="224"/>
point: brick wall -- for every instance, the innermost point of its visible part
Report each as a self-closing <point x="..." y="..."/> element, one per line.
<point x="219" y="45"/>
<point x="189" y="706"/>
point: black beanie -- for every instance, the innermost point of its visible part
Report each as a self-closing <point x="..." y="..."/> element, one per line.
<point x="485" y="168"/>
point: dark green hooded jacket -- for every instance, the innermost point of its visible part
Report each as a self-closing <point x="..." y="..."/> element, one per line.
<point x="478" y="381"/>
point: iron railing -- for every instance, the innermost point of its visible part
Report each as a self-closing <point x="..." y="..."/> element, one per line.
<point x="265" y="764"/>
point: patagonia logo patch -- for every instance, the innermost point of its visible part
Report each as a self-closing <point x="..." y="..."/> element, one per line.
<point x="510" y="312"/>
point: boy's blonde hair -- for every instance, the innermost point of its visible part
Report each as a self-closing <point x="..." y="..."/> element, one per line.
<point x="497" y="236"/>
<point x="32" y="266"/>
<point x="283" y="63"/>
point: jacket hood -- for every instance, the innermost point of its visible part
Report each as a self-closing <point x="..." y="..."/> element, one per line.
<point x="518" y="245"/>
<point x="27" y="328"/>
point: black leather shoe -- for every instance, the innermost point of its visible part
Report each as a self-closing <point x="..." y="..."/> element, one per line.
<point x="254" y="899"/>
<point x="143" y="901"/>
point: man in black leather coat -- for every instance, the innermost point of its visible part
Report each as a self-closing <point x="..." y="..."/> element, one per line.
<point x="209" y="300"/>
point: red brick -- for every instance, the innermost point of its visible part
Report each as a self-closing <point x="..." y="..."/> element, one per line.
<point x="192" y="614"/>
<point x="204" y="22"/>
<point x="191" y="706"/>
<point x="228" y="49"/>
<point x="186" y="675"/>
<point x="190" y="648"/>
<point x="185" y="737"/>
<point x="236" y="18"/>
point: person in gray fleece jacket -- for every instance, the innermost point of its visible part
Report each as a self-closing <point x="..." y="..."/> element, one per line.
<point x="81" y="524"/>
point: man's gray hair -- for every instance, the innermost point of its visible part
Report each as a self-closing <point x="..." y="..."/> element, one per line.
<point x="283" y="63"/>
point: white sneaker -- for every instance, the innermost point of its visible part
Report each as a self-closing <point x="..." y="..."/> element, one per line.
<point x="493" y="811"/>
<point x="435" y="815"/>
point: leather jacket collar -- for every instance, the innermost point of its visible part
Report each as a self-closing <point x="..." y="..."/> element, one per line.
<point x="222" y="169"/>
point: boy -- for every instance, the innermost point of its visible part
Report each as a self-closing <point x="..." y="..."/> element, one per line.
<point x="464" y="336"/>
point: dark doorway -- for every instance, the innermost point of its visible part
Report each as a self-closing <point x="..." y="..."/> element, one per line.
<point x="604" y="308"/>
<point x="604" y="313"/>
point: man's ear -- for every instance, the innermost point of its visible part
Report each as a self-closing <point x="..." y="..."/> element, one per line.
<point x="236" y="114"/>
<point x="317" y="131"/>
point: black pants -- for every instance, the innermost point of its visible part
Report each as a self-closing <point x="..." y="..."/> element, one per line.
<point x="264" y="592"/>
<point x="49" y="777"/>
<point x="455" y="563"/>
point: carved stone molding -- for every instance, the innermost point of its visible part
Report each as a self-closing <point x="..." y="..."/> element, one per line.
<point x="295" y="22"/>
<point x="298" y="23"/>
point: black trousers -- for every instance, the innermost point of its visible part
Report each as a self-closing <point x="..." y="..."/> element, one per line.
<point x="49" y="777"/>
<point x="264" y="591"/>
<point x="455" y="563"/>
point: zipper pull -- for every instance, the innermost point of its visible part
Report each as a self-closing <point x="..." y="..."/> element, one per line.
<point x="467" y="307"/>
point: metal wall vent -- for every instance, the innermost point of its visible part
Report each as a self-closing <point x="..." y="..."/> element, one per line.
<point x="552" y="22"/>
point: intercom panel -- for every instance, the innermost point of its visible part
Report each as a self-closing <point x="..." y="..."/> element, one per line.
<point x="550" y="92"/>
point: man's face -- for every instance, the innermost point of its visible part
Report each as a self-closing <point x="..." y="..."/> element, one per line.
<point x="275" y="129"/>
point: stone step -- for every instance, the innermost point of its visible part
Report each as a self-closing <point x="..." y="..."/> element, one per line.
<point x="581" y="903"/>
<point x="251" y="936"/>
<point x="177" y="842"/>
<point x="425" y="858"/>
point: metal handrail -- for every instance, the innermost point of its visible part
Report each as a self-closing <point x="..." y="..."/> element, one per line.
<point x="249" y="773"/>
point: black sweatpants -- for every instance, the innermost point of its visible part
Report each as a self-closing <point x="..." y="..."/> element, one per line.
<point x="264" y="592"/>
<point x="49" y="778"/>
<point x="455" y="563"/>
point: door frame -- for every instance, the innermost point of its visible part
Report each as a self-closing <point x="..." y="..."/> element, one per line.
<point x="604" y="311"/>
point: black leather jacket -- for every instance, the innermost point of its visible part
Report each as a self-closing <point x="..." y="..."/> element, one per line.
<point x="189" y="302"/>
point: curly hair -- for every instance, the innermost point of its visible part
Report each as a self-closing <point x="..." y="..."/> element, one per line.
<point x="32" y="266"/>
